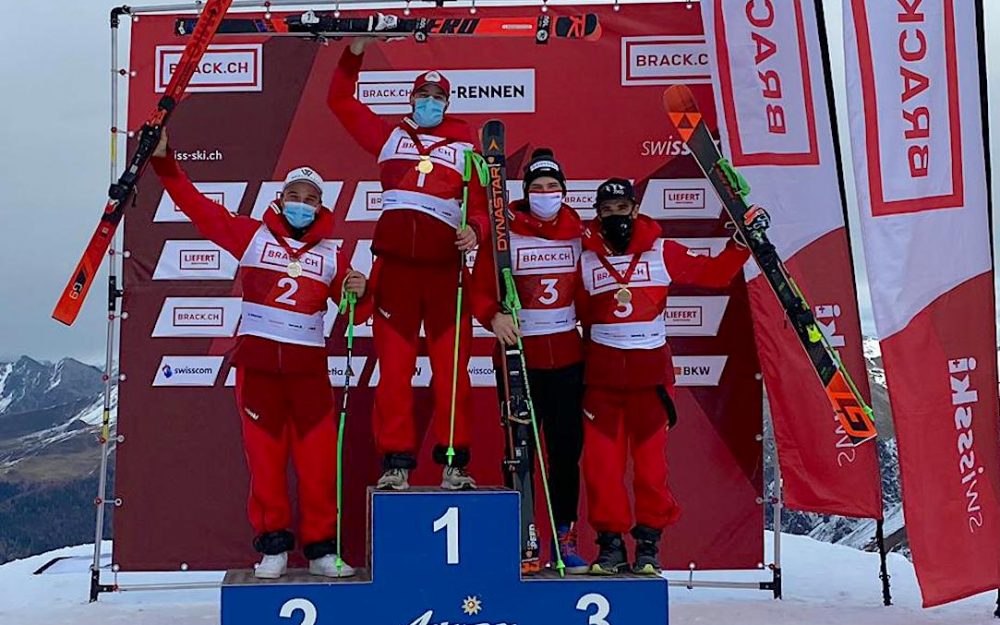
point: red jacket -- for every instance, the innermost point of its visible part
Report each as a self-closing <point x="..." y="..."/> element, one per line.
<point x="634" y="368"/>
<point x="234" y="233"/>
<point x="545" y="351"/>
<point x="407" y="234"/>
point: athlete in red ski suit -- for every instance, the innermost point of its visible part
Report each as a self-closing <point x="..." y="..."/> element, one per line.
<point x="545" y="252"/>
<point x="626" y="271"/>
<point x="282" y="389"/>
<point x="417" y="245"/>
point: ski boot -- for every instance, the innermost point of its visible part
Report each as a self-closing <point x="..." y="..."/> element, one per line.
<point x="566" y="543"/>
<point x="611" y="559"/>
<point x="272" y="566"/>
<point x="394" y="479"/>
<point x="647" y="550"/>
<point x="326" y="566"/>
<point x="457" y="478"/>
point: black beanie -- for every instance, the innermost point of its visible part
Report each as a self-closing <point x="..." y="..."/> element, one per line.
<point x="543" y="163"/>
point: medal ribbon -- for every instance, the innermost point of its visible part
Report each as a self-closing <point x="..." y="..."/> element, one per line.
<point x="423" y="150"/>
<point x="622" y="279"/>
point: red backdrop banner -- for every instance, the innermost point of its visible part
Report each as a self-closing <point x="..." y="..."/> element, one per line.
<point x="256" y="110"/>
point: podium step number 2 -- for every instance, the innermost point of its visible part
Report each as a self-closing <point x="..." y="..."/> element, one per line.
<point x="443" y="558"/>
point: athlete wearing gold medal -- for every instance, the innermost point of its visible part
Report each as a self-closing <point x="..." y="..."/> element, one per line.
<point x="626" y="271"/>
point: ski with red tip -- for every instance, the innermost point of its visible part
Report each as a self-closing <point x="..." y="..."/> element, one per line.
<point x="850" y="409"/>
<point x="68" y="307"/>
<point x="328" y="26"/>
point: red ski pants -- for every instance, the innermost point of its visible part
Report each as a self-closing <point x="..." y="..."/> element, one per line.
<point x="615" y="422"/>
<point x="282" y="412"/>
<point x="406" y="294"/>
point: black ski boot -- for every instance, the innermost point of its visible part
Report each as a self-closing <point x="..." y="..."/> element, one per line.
<point x="611" y="559"/>
<point x="647" y="550"/>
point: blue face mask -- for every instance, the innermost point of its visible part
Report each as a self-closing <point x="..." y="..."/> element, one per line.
<point x="298" y="215"/>
<point x="428" y="112"/>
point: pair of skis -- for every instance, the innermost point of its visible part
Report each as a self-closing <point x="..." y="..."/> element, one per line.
<point x="69" y="304"/>
<point x="332" y="26"/>
<point x="848" y="405"/>
<point x="517" y="412"/>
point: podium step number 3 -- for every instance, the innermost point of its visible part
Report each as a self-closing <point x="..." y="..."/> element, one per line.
<point x="444" y="558"/>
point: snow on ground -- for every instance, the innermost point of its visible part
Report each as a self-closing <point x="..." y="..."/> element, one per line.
<point x="824" y="585"/>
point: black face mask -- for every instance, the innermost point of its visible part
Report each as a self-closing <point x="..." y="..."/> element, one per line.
<point x="617" y="231"/>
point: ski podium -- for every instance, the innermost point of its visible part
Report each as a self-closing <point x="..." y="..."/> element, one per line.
<point x="438" y="557"/>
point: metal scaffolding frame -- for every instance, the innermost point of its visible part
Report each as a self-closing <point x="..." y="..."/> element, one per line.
<point x="116" y="289"/>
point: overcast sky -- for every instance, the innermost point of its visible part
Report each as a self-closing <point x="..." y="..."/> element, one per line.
<point x="54" y="167"/>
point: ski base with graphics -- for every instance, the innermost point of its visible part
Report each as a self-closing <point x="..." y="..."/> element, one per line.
<point x="69" y="304"/>
<point x="329" y="26"/>
<point x="850" y="408"/>
<point x="439" y="557"/>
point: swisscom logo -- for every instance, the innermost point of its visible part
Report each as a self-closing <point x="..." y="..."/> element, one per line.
<point x="187" y="371"/>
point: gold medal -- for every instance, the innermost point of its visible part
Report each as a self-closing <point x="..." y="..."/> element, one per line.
<point x="294" y="269"/>
<point x="623" y="296"/>
<point x="425" y="166"/>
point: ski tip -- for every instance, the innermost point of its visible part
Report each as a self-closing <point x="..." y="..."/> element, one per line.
<point x="682" y="109"/>
<point x="679" y="99"/>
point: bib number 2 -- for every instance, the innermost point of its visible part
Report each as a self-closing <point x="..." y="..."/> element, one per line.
<point x="291" y="288"/>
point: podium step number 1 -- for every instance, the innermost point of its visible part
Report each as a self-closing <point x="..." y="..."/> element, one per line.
<point x="444" y="558"/>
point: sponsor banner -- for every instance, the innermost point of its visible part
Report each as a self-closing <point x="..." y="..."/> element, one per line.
<point x="224" y="67"/>
<point x="337" y="369"/>
<point x="472" y="90"/>
<point x="699" y="370"/>
<point x="228" y="194"/>
<point x="770" y="120"/>
<point x="194" y="259"/>
<point x="366" y="203"/>
<point x="920" y="167"/>
<point x="291" y="125"/>
<point x="198" y="317"/>
<point x="187" y="371"/>
<point x="270" y="190"/>
<point x="665" y="60"/>
<point x="481" y="372"/>
<point x="775" y="124"/>
<point x="694" y="316"/>
<point x="710" y="246"/>
<point x="680" y="198"/>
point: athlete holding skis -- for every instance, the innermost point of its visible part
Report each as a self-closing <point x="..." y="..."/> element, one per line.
<point x="545" y="246"/>
<point x="626" y="272"/>
<point x="419" y="245"/>
<point x="289" y="267"/>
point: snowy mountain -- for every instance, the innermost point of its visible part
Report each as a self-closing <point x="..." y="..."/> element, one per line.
<point x="50" y="415"/>
<point x="824" y="584"/>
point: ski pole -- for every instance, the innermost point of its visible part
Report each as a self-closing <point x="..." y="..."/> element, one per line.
<point x="472" y="159"/>
<point x="513" y="305"/>
<point x="347" y="301"/>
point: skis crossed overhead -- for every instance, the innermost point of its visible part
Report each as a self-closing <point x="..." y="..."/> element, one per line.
<point x="331" y="26"/>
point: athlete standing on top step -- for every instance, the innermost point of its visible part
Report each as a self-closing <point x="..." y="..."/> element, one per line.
<point x="289" y="266"/>
<point x="545" y="249"/>
<point x="626" y="271"/>
<point x="417" y="244"/>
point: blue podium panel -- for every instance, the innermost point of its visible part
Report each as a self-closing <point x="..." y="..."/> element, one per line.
<point x="444" y="558"/>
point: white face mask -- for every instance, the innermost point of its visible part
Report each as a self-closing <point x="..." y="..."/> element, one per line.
<point x="545" y="206"/>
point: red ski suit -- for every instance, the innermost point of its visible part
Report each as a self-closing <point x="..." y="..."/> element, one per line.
<point x="282" y="389"/>
<point x="629" y="370"/>
<point x="544" y="261"/>
<point x="415" y="275"/>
